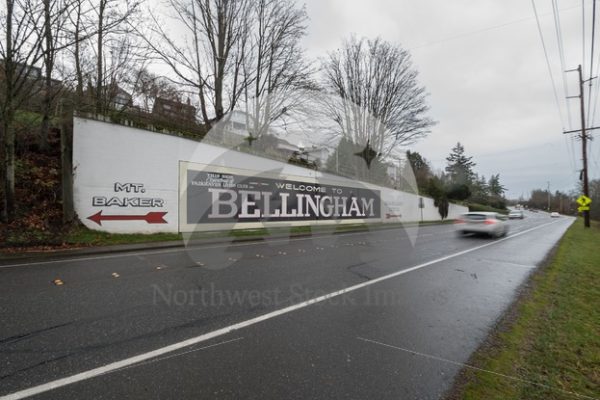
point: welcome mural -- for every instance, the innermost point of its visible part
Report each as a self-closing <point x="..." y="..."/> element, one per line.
<point x="221" y="196"/>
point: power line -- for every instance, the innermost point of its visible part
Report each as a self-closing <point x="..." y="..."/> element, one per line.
<point x="571" y="151"/>
<point x="537" y="19"/>
<point x="561" y="52"/>
<point x="591" y="60"/>
<point x="596" y="163"/>
<point x="583" y="35"/>
<point x="593" y="110"/>
<point x="569" y="143"/>
<point x="594" y="157"/>
<point x="597" y="87"/>
<point x="593" y="35"/>
<point x="475" y="32"/>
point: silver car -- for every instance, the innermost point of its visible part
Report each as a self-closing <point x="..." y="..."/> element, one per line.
<point x="488" y="223"/>
<point x="516" y="214"/>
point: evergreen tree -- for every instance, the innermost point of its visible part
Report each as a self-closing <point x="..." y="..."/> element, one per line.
<point x="458" y="191"/>
<point x="435" y="188"/>
<point x="479" y="189"/>
<point x="460" y="167"/>
<point x="418" y="166"/>
<point x="495" y="187"/>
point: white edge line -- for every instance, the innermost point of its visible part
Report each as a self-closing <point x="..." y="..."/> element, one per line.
<point x="223" y="331"/>
<point x="158" y="359"/>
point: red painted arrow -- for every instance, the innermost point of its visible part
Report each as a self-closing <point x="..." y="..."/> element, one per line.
<point x="153" y="217"/>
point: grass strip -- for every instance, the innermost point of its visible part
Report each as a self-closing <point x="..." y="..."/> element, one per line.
<point x="550" y="339"/>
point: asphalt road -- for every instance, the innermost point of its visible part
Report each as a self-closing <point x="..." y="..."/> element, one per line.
<point x="381" y="314"/>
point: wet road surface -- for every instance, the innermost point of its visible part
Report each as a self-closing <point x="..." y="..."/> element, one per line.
<point x="381" y="314"/>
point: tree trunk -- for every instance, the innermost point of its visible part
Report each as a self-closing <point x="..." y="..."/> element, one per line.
<point x="8" y="135"/>
<point x="46" y="105"/>
<point x="9" y="169"/>
<point x="99" y="77"/>
<point x="66" y="161"/>
<point x="220" y="62"/>
<point x="3" y="215"/>
<point x="78" y="72"/>
<point x="48" y="64"/>
<point x="199" y="69"/>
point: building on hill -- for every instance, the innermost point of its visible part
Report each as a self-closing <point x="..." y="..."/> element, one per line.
<point x="119" y="98"/>
<point x="33" y="85"/>
<point x="174" y="110"/>
<point x="113" y="97"/>
<point x="21" y="69"/>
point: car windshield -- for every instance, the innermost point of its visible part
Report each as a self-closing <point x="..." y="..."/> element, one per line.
<point x="476" y="217"/>
<point x="299" y="199"/>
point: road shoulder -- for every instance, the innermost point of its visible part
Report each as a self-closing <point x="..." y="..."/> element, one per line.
<point x="546" y="344"/>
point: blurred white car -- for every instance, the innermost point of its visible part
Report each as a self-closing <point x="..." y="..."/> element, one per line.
<point x="488" y="223"/>
<point x="554" y="214"/>
<point x="516" y="214"/>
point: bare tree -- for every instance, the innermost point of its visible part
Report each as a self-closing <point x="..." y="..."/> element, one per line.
<point x="91" y="31"/>
<point x="224" y="25"/>
<point x="54" y="20"/>
<point x="208" y="56"/>
<point x="124" y="57"/>
<point x="111" y="16"/>
<point x="381" y="105"/>
<point x="275" y="67"/>
<point x="66" y="25"/>
<point x="149" y="86"/>
<point x="20" y="52"/>
<point x="78" y="32"/>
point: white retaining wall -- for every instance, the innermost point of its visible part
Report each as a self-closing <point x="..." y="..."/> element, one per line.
<point x="125" y="173"/>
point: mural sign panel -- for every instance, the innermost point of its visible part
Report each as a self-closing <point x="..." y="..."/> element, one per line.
<point x="125" y="196"/>
<point x="215" y="196"/>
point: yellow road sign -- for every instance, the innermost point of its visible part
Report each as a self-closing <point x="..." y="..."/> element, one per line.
<point x="583" y="200"/>
<point x="583" y="208"/>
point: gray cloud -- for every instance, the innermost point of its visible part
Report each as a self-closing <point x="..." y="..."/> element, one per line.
<point x="483" y="65"/>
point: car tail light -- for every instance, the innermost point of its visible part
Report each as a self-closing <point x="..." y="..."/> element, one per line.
<point x="490" y="221"/>
<point x="459" y="221"/>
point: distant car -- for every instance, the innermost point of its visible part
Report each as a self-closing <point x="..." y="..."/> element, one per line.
<point x="488" y="223"/>
<point x="516" y="214"/>
<point x="554" y="214"/>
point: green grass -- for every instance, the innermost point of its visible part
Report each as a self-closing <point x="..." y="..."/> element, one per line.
<point x="87" y="237"/>
<point x="553" y="339"/>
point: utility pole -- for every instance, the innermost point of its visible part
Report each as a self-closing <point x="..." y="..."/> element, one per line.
<point x="586" y="189"/>
<point x="560" y="207"/>
<point x="548" y="190"/>
<point x="583" y="136"/>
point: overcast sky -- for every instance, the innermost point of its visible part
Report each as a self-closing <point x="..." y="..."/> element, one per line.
<point x="483" y="64"/>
